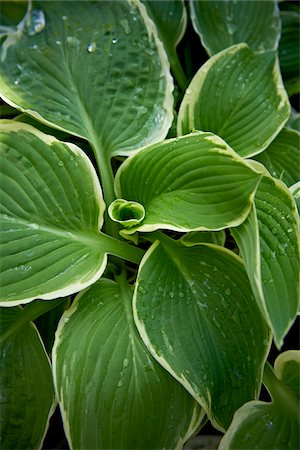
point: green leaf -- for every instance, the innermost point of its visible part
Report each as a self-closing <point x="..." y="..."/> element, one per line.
<point x="221" y="24"/>
<point x="282" y="157"/>
<point x="269" y="244"/>
<point x="289" y="51"/>
<point x="102" y="69"/>
<point x="195" y="182"/>
<point x="198" y="237"/>
<point x="170" y="18"/>
<point x="112" y="393"/>
<point x="195" y="312"/>
<point x="295" y="191"/>
<point x="275" y="425"/>
<point x="51" y="244"/>
<point x="27" y="394"/>
<point x="294" y="121"/>
<point x="237" y="94"/>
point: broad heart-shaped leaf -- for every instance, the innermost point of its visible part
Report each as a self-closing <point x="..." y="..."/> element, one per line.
<point x="195" y="312"/>
<point x="194" y="182"/>
<point x="282" y="157"/>
<point x="50" y="241"/>
<point x="237" y="94"/>
<point x="170" y="18"/>
<point x="112" y="393"/>
<point x="289" y="51"/>
<point x="100" y="66"/>
<point x="27" y="393"/>
<point x="269" y="244"/>
<point x="221" y="24"/>
<point x="274" y="425"/>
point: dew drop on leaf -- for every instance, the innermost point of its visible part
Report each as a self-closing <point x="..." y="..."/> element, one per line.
<point x="92" y="47"/>
<point x="37" y="22"/>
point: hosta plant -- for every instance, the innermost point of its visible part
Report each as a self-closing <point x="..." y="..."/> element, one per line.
<point x="149" y="220"/>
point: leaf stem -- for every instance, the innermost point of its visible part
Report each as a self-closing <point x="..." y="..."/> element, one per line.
<point x="123" y="250"/>
<point x="280" y="392"/>
<point x="31" y="312"/>
<point x="107" y="182"/>
<point x="177" y="70"/>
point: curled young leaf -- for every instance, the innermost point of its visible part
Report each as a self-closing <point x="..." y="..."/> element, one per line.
<point x="195" y="182"/>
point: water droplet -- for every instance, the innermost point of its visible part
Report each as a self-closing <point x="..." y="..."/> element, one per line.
<point x="92" y="47"/>
<point x="66" y="319"/>
<point x="289" y="230"/>
<point x="60" y="164"/>
<point x="181" y="294"/>
<point x="64" y="17"/>
<point x="120" y="383"/>
<point x="228" y="291"/>
<point x="125" y="362"/>
<point x="37" y="22"/>
<point x="171" y="294"/>
<point x="280" y="249"/>
<point x="114" y="40"/>
<point x="58" y="42"/>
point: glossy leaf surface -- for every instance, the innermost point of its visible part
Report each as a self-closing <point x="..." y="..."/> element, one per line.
<point x="221" y="24"/>
<point x="197" y="173"/>
<point x="195" y="311"/>
<point x="122" y="99"/>
<point x="282" y="157"/>
<point x="112" y="393"/>
<point x="237" y="94"/>
<point x="50" y="221"/>
<point x="272" y="425"/>
<point x="289" y="51"/>
<point x="269" y="244"/>
<point x="27" y="393"/>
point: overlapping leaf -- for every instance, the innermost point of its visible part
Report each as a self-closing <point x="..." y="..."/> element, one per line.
<point x="102" y="69"/>
<point x="170" y="18"/>
<point x="237" y="94"/>
<point x="295" y="191"/>
<point x="289" y="51"/>
<point x="221" y="24"/>
<point x="270" y="425"/>
<point x="195" y="311"/>
<point x="112" y="393"/>
<point x="282" y="157"/>
<point x="197" y="237"/>
<point x="50" y="240"/>
<point x="195" y="182"/>
<point x="269" y="244"/>
<point x="27" y="393"/>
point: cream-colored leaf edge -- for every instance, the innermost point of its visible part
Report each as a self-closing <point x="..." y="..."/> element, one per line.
<point x="190" y="98"/>
<point x="54" y="402"/>
<point x="203" y="40"/>
<point x="295" y="190"/>
<point x="256" y="167"/>
<point x="143" y="333"/>
<point x="14" y="127"/>
<point x="239" y="418"/>
<point x="183" y="23"/>
<point x="198" y="413"/>
<point x="168" y="101"/>
<point x="283" y="358"/>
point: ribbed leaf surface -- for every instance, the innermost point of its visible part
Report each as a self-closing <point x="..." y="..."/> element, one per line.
<point x="195" y="311"/>
<point x="221" y="24"/>
<point x="50" y="245"/>
<point x="195" y="182"/>
<point x="27" y="393"/>
<point x="269" y="244"/>
<point x="112" y="393"/>
<point x="282" y="157"/>
<point x="237" y="94"/>
<point x="101" y="68"/>
<point x="270" y="425"/>
<point x="289" y="51"/>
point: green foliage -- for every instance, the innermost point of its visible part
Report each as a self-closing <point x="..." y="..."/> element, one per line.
<point x="183" y="252"/>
